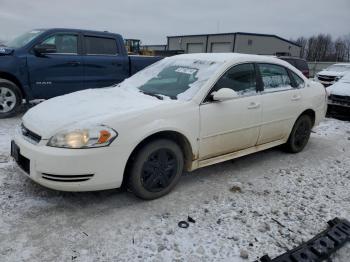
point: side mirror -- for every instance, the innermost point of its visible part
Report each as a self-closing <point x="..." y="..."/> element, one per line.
<point x="45" y="48"/>
<point x="224" y="94"/>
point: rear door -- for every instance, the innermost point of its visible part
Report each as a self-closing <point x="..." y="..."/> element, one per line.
<point x="104" y="64"/>
<point x="280" y="102"/>
<point x="60" y="72"/>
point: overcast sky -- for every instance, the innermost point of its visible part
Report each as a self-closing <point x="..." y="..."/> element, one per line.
<point x="153" y="20"/>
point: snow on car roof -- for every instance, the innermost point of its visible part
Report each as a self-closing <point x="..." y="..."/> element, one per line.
<point x="342" y="64"/>
<point x="227" y="57"/>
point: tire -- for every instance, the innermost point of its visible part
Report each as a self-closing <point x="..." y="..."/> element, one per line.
<point x="10" y="99"/>
<point x="156" y="169"/>
<point x="300" y="134"/>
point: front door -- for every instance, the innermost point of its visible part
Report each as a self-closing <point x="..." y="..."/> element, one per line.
<point x="231" y="125"/>
<point x="57" y="73"/>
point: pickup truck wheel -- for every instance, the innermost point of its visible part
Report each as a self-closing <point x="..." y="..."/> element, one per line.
<point x="156" y="169"/>
<point x="10" y="99"/>
<point x="300" y="134"/>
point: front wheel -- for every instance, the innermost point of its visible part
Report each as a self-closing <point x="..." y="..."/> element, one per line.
<point x="156" y="169"/>
<point x="10" y="99"/>
<point x="300" y="134"/>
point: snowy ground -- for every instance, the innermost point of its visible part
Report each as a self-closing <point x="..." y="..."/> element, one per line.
<point x="301" y="191"/>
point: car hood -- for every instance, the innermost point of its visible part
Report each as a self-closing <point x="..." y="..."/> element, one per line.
<point x="6" y="51"/>
<point x="340" y="88"/>
<point x="88" y="107"/>
<point x="330" y="73"/>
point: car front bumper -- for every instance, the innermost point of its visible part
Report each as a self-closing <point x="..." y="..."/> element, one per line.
<point x="70" y="169"/>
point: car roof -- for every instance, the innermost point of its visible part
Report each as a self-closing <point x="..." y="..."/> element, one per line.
<point x="229" y="57"/>
<point x="342" y="64"/>
<point x="78" y="30"/>
<point x="291" y="58"/>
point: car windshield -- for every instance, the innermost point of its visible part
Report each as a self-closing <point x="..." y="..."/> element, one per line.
<point x="339" y="68"/>
<point x="24" y="39"/>
<point x="174" y="78"/>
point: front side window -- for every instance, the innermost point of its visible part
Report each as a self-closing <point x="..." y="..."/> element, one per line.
<point x="100" y="46"/>
<point x="240" y="78"/>
<point x="65" y="43"/>
<point x="274" y="77"/>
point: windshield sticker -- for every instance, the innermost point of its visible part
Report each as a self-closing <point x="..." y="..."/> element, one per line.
<point x="184" y="70"/>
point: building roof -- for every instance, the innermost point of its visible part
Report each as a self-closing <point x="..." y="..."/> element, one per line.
<point x="239" y="33"/>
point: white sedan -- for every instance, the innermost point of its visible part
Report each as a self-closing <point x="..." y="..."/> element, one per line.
<point x="339" y="94"/>
<point x="182" y="113"/>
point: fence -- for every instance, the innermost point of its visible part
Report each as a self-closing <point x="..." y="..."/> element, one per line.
<point x="316" y="67"/>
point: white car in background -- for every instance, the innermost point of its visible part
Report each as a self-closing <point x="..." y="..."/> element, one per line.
<point x="332" y="74"/>
<point x="339" y="95"/>
<point x="182" y="113"/>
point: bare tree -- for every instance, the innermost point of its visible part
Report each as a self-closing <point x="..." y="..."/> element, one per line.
<point x="346" y="39"/>
<point x="302" y="41"/>
<point x="340" y="50"/>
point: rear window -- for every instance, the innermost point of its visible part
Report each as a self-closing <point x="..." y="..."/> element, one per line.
<point x="302" y="65"/>
<point x="290" y="61"/>
<point x="100" y="46"/>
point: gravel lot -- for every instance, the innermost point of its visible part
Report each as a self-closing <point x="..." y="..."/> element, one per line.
<point x="233" y="205"/>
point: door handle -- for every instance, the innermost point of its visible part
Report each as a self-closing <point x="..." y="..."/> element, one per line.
<point x="116" y="64"/>
<point x="296" y="97"/>
<point x="74" y="63"/>
<point x="253" y="105"/>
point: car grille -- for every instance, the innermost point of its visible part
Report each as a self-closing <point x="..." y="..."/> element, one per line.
<point x="326" y="78"/>
<point x="340" y="99"/>
<point x="30" y="135"/>
<point x="67" y="178"/>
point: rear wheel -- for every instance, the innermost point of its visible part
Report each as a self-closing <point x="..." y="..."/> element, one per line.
<point x="10" y="99"/>
<point x="156" y="169"/>
<point x="300" y="134"/>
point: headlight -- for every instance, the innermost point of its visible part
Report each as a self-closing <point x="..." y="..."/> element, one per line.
<point x="338" y="78"/>
<point x="90" y="137"/>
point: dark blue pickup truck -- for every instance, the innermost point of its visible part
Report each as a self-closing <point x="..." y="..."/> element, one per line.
<point x="45" y="63"/>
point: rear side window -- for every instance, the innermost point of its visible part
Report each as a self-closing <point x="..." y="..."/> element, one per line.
<point x="240" y="78"/>
<point x="274" y="77"/>
<point x="100" y="46"/>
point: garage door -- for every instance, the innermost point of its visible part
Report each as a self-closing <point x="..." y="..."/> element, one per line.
<point x="221" y="47"/>
<point x="195" y="48"/>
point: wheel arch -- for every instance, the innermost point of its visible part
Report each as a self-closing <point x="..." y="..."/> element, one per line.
<point x="13" y="79"/>
<point x="311" y="113"/>
<point x="174" y="136"/>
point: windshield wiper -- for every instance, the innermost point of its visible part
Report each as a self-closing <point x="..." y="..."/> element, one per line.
<point x="151" y="94"/>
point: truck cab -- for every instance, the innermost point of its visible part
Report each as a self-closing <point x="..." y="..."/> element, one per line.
<point x="45" y="63"/>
